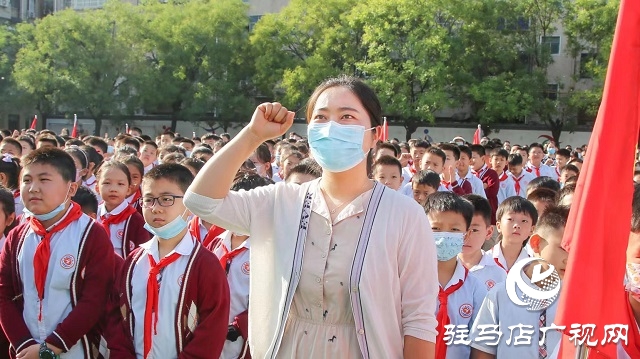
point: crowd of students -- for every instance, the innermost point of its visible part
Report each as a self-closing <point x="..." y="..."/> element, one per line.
<point x="140" y="247"/>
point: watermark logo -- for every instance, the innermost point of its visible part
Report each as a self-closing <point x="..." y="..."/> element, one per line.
<point x="545" y="288"/>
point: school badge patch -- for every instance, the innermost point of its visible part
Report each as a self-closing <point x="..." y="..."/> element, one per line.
<point x="490" y="283"/>
<point x="120" y="233"/>
<point x="466" y="310"/>
<point x="68" y="261"/>
<point x="180" y="279"/>
<point x="245" y="268"/>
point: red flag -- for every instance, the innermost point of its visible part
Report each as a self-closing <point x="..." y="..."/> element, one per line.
<point x="596" y="236"/>
<point x="74" y="132"/>
<point x="34" y="123"/>
<point x="384" y="133"/>
<point x="477" y="136"/>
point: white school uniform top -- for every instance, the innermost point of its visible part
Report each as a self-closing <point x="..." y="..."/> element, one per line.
<point x="17" y="200"/>
<point x="498" y="309"/>
<point x="462" y="306"/>
<point x="525" y="177"/>
<point x="407" y="190"/>
<point x="56" y="304"/>
<point x="507" y="188"/>
<point x="477" y="187"/>
<point x="406" y="175"/>
<point x="276" y="175"/>
<point x="163" y="344"/>
<point x="91" y="184"/>
<point x="544" y="170"/>
<point x="488" y="272"/>
<point x="116" y="230"/>
<point x="238" y="278"/>
<point x="2" y="240"/>
<point x="498" y="257"/>
<point x="149" y="168"/>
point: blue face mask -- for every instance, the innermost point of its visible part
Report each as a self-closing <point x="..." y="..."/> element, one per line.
<point x="187" y="153"/>
<point x="47" y="216"/>
<point x="551" y="151"/>
<point x="170" y="229"/>
<point x="336" y="147"/>
<point x="448" y="245"/>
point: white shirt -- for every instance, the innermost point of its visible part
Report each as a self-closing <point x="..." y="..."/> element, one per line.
<point x="407" y="190"/>
<point x="488" y="272"/>
<point x="524" y="178"/>
<point x="498" y="257"/>
<point x="507" y="188"/>
<point x="407" y="175"/>
<point x="116" y="230"/>
<point x="498" y="309"/>
<point x="91" y="184"/>
<point x="63" y="262"/>
<point x="544" y="170"/>
<point x="238" y="278"/>
<point x="149" y="168"/>
<point x="462" y="306"/>
<point x="17" y="200"/>
<point x="163" y="344"/>
<point x="477" y="187"/>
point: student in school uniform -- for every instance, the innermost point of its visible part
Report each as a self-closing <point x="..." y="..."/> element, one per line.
<point x="87" y="201"/>
<point x="479" y="262"/>
<point x="424" y="183"/>
<point x="136" y="169"/>
<point x="123" y="223"/>
<point x="498" y="309"/>
<point x="95" y="160"/>
<point x="204" y="232"/>
<point x="517" y="218"/>
<point x="388" y="171"/>
<point x="461" y="293"/>
<point x="535" y="165"/>
<point x="69" y="256"/>
<point x="520" y="177"/>
<point x="149" y="155"/>
<point x="562" y="159"/>
<point x="489" y="177"/>
<point x="449" y="174"/>
<point x="173" y="291"/>
<point x="7" y="217"/>
<point x="233" y="252"/>
<point x="499" y="164"/>
<point x="434" y="159"/>
<point x="417" y="151"/>
<point x="465" y="172"/>
<point x="10" y="178"/>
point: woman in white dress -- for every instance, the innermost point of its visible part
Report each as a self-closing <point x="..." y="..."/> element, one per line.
<point x="340" y="266"/>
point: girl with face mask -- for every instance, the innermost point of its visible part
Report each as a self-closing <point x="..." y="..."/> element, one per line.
<point x="341" y="266"/>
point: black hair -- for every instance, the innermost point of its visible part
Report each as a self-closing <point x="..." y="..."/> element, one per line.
<point x="481" y="207"/>
<point x="465" y="149"/>
<point x="542" y="194"/>
<point x="479" y="149"/>
<point x="264" y="155"/>
<point x="150" y="143"/>
<point x="248" y="180"/>
<point x="93" y="155"/>
<point x="86" y="199"/>
<point x="77" y="153"/>
<point x="452" y="148"/>
<point x="635" y="205"/>
<point x="29" y="140"/>
<point x="49" y="139"/>
<point x="73" y="142"/>
<point x="129" y="141"/>
<point x="173" y="157"/>
<point x="194" y="163"/>
<point x="515" y="159"/>
<point x="449" y="202"/>
<point x="54" y="157"/>
<point x="7" y="201"/>
<point x="14" y="143"/>
<point x="306" y="167"/>
<point x="362" y="91"/>
<point x="563" y="152"/>
<point x="500" y="152"/>
<point x="201" y="150"/>
<point x="60" y="141"/>
<point x="136" y="129"/>
<point x="165" y="150"/>
<point x="421" y="144"/>
<point x="438" y="152"/>
<point x="517" y="204"/>
<point x="172" y="172"/>
<point x="126" y="151"/>
<point x="133" y="161"/>
<point x="210" y="136"/>
<point x="115" y="164"/>
<point x="544" y="182"/>
<point x="566" y="191"/>
<point x="553" y="218"/>
<point x="98" y="142"/>
<point x="535" y="144"/>
<point x="388" y="161"/>
<point x="189" y="141"/>
<point x="226" y="135"/>
<point x="426" y="177"/>
<point x="10" y="166"/>
<point x="388" y="146"/>
<point x="570" y="167"/>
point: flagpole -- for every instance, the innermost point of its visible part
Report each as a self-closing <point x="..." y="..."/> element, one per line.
<point x="582" y="352"/>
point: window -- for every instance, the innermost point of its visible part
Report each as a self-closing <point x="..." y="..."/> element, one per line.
<point x="585" y="59"/>
<point x="253" y="20"/>
<point x="552" y="43"/>
<point x="552" y="92"/>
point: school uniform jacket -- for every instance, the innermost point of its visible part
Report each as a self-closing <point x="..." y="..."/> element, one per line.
<point x="86" y="270"/>
<point x="490" y="177"/>
<point x="202" y="313"/>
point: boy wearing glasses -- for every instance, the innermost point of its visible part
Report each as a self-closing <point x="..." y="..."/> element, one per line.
<point x="173" y="293"/>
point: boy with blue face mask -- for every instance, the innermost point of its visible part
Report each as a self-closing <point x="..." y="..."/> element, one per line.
<point x="461" y="293"/>
<point x="173" y="289"/>
<point x="56" y="269"/>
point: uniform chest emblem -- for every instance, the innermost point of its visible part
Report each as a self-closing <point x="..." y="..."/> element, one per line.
<point x="466" y="310"/>
<point x="490" y="283"/>
<point x="68" y="261"/>
<point x="180" y="279"/>
<point x="120" y="233"/>
<point x="245" y="268"/>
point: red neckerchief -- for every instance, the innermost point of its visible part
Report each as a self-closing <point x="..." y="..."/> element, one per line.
<point x="227" y="257"/>
<point x="194" y="229"/>
<point x="517" y="181"/>
<point x="16" y="193"/>
<point x="443" y="316"/>
<point x="116" y="218"/>
<point x="153" y="292"/>
<point x="503" y="177"/>
<point x="43" y="250"/>
<point x="412" y="170"/>
<point x="135" y="198"/>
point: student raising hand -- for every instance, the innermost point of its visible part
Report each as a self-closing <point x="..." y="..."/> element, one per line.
<point x="270" y="120"/>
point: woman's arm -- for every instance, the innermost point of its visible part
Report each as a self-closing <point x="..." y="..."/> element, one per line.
<point x="418" y="348"/>
<point x="270" y="120"/>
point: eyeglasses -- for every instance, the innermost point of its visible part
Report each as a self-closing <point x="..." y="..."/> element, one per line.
<point x="166" y="200"/>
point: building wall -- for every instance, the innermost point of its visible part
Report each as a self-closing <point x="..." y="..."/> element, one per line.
<point x="261" y="7"/>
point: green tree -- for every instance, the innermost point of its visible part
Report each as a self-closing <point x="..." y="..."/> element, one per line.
<point x="197" y="61"/>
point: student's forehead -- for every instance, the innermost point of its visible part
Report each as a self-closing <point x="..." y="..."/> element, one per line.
<point x="514" y="213"/>
<point x="35" y="169"/>
<point x="156" y="187"/>
<point x="446" y="217"/>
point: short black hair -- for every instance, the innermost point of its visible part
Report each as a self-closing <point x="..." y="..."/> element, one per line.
<point x="202" y="149"/>
<point x="387" y="146"/>
<point x="210" y="136"/>
<point x="194" y="163"/>
<point x="7" y="201"/>
<point x="51" y="139"/>
<point x="563" y="152"/>
<point x="500" y="152"/>
<point x="570" y="167"/>
<point x="449" y="202"/>
<point x="481" y="207"/>
<point x="387" y="161"/>
<point x="79" y="154"/>
<point x="568" y="190"/>
<point x="172" y="172"/>
<point x="93" y="155"/>
<point x="54" y="157"/>
<point x="465" y="149"/>
<point x="535" y="144"/>
<point x="29" y="140"/>
<point x="248" y="180"/>
<point x="10" y="166"/>
<point x="426" y="177"/>
<point x="86" y="199"/>
<point x="440" y="153"/>
<point x="517" y="204"/>
<point x="452" y="148"/>
<point x="479" y="149"/>
<point x="542" y="194"/>
<point x="306" y="167"/>
<point x="515" y="159"/>
<point x="553" y="218"/>
<point x="98" y="142"/>
<point x="150" y="143"/>
<point x="421" y="144"/>
<point x="544" y="182"/>
<point x="129" y="141"/>
<point x="14" y="143"/>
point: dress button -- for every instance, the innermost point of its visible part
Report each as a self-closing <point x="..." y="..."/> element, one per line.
<point x="360" y="331"/>
<point x="318" y="279"/>
<point x="318" y="305"/>
<point x="328" y="232"/>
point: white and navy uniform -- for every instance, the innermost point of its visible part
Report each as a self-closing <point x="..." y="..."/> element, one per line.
<point x="116" y="230"/>
<point x="91" y="183"/>
<point x="498" y="309"/>
<point x="170" y="281"/>
<point x="544" y="170"/>
<point x="498" y="257"/>
<point x="524" y="179"/>
<point x="488" y="272"/>
<point x="238" y="277"/>
<point x="507" y="187"/>
<point x="56" y="304"/>
<point x="477" y="187"/>
<point x="462" y="306"/>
